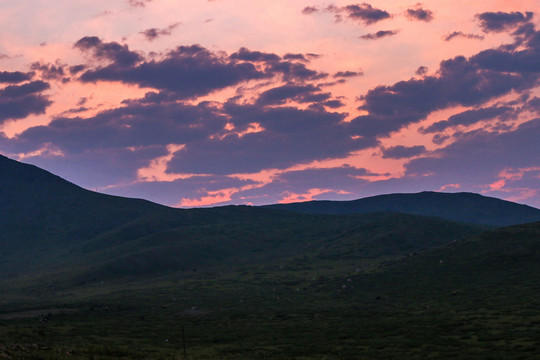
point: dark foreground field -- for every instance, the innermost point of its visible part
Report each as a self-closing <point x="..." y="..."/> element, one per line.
<point x="473" y="299"/>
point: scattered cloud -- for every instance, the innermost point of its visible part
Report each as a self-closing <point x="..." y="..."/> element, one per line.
<point x="50" y="71"/>
<point x="469" y="117"/>
<point x="502" y="21"/>
<point x="379" y="34"/>
<point x="420" y="14"/>
<point x="308" y="10"/>
<point x="15" y="76"/>
<point x="459" y="81"/>
<point x="365" y="13"/>
<point x="153" y="33"/>
<point x="19" y="101"/>
<point x="403" y="152"/>
<point x="422" y="70"/>
<point x="460" y="34"/>
<point x="119" y="54"/>
<point x="479" y="156"/>
<point x="348" y="74"/>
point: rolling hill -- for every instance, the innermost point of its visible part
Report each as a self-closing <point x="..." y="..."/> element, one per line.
<point x="462" y="207"/>
<point x="51" y="227"/>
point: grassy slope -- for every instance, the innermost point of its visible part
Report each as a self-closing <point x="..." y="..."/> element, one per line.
<point x="480" y="302"/>
<point x="471" y="299"/>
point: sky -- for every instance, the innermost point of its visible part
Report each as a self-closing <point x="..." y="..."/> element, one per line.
<point x="215" y="102"/>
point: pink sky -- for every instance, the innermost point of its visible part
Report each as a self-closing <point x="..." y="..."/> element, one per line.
<point x="253" y="102"/>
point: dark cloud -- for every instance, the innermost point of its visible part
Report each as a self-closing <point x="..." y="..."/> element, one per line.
<point x="255" y="56"/>
<point x="469" y="117"/>
<point x="422" y="70"/>
<point x="478" y="157"/>
<point x="523" y="61"/>
<point x="459" y="81"/>
<point x="292" y="71"/>
<point x="502" y="21"/>
<point x="419" y="14"/>
<point x="190" y="71"/>
<point x="403" y="152"/>
<point x="120" y="55"/>
<point x="134" y="125"/>
<point x="50" y="71"/>
<point x="76" y="69"/>
<point x="365" y="13"/>
<point x="534" y="105"/>
<point x="308" y="10"/>
<point x="153" y="33"/>
<point x="290" y="136"/>
<point x="187" y="71"/>
<point x="333" y="104"/>
<point x="292" y="92"/>
<point x="460" y="34"/>
<point x="19" y="101"/>
<point x="379" y="34"/>
<point x="348" y="74"/>
<point x="17" y="91"/>
<point x="15" y="76"/>
<point x="297" y="57"/>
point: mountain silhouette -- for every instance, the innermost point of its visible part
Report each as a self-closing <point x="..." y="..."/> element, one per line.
<point x="462" y="207"/>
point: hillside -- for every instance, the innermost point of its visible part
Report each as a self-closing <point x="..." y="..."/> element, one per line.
<point x="462" y="207"/>
<point x="55" y="230"/>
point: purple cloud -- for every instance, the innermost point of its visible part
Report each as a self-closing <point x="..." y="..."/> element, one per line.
<point x="379" y="34"/>
<point x="187" y="71"/>
<point x="419" y="14"/>
<point x="132" y="126"/>
<point x="460" y="34"/>
<point x="19" y="101"/>
<point x="502" y="21"/>
<point x="308" y="10"/>
<point x="290" y="136"/>
<point x="120" y="55"/>
<point x="153" y="33"/>
<point x="365" y="13"/>
<point x="403" y="152"/>
<point x="299" y="93"/>
<point x="469" y="117"/>
<point x="459" y="81"/>
<point x="15" y="76"/>
<point x="50" y="71"/>
<point x="348" y="74"/>
<point x="422" y="70"/>
<point x="255" y="56"/>
<point x="479" y="156"/>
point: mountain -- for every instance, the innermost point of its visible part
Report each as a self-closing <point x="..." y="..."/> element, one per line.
<point x="462" y="207"/>
<point x="56" y="232"/>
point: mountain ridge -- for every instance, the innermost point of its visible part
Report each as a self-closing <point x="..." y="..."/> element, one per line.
<point x="463" y="207"/>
